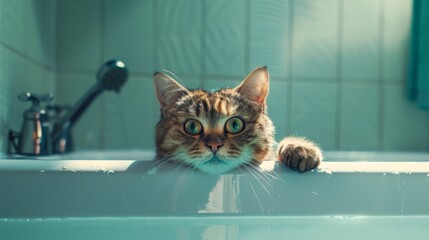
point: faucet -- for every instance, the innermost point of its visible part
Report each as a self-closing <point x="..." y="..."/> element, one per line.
<point x="40" y="135"/>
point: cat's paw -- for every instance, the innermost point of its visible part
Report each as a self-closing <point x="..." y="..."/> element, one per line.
<point x="299" y="154"/>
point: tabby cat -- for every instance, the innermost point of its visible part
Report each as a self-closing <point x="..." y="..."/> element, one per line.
<point x="216" y="131"/>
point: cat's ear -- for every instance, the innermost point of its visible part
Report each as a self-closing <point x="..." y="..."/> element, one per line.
<point x="168" y="91"/>
<point x="256" y="85"/>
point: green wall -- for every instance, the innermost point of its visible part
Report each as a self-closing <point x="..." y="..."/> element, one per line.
<point x="337" y="67"/>
<point x="27" y="57"/>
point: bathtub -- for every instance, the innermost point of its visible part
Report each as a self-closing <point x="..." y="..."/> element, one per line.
<point x="127" y="195"/>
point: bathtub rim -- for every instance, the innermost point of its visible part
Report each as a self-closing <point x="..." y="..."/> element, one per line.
<point x="108" y="161"/>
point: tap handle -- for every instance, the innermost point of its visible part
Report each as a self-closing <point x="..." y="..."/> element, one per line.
<point x="35" y="98"/>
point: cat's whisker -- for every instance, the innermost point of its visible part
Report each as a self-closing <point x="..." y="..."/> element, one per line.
<point x="253" y="190"/>
<point x="259" y="173"/>
<point x="175" y="170"/>
<point x="266" y="173"/>
<point x="173" y="75"/>
<point x="258" y="179"/>
<point x="159" y="162"/>
<point x="278" y="178"/>
<point x="189" y="171"/>
<point x="256" y="196"/>
<point x="183" y="172"/>
<point x="172" y="173"/>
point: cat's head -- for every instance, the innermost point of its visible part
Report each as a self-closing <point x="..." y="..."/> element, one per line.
<point x="214" y="131"/>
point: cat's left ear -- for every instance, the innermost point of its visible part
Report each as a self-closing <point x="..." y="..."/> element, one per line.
<point x="256" y="85"/>
<point x="168" y="90"/>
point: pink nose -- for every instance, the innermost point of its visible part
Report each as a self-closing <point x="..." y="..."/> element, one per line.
<point x="214" y="141"/>
<point x="214" y="146"/>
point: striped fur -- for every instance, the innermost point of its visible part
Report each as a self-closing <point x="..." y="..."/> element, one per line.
<point x="213" y="109"/>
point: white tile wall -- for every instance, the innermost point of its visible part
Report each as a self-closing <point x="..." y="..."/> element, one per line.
<point x="130" y="38"/>
<point x="30" y="29"/>
<point x="397" y="25"/>
<point x="191" y="82"/>
<point x="14" y="24"/>
<point x="131" y="115"/>
<point x="314" y="113"/>
<point x="277" y="107"/>
<point x="315" y="38"/>
<point x="225" y="37"/>
<point x="360" y="116"/>
<point x="40" y="34"/>
<point x="1" y="20"/>
<point x="360" y="42"/>
<point x="79" y="35"/>
<point x="337" y="66"/>
<point x="269" y="36"/>
<point x="178" y="36"/>
<point x="4" y="100"/>
<point x="27" y="57"/>
<point x="404" y="126"/>
<point x="215" y="83"/>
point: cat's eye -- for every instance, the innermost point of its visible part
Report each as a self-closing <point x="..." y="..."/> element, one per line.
<point x="193" y="127"/>
<point x="234" y="125"/>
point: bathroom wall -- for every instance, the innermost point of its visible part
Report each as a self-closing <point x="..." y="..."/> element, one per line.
<point x="27" y="57"/>
<point x="337" y="66"/>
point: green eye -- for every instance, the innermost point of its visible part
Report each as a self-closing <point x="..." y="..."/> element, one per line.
<point x="234" y="125"/>
<point x="193" y="127"/>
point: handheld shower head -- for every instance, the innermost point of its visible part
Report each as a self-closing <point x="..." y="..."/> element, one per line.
<point x="112" y="75"/>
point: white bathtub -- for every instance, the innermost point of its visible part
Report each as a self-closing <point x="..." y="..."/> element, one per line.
<point x="97" y="196"/>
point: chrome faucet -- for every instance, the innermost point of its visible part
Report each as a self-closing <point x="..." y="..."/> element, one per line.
<point x="34" y="136"/>
<point x="41" y="135"/>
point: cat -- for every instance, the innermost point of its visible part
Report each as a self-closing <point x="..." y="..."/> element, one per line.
<point x="217" y="131"/>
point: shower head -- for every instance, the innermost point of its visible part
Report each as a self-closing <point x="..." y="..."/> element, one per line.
<point x="112" y="75"/>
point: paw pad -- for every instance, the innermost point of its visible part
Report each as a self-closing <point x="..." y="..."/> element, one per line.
<point x="299" y="157"/>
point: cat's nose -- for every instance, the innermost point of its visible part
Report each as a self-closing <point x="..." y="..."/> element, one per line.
<point x="214" y="146"/>
<point x="214" y="141"/>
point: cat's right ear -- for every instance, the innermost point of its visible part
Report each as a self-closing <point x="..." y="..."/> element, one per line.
<point x="255" y="86"/>
<point x="168" y="91"/>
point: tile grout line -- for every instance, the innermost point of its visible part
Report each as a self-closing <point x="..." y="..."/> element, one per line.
<point x="338" y="74"/>
<point x="289" y="85"/>
<point x="37" y="63"/>
<point x="101" y="56"/>
<point x="203" y="44"/>
<point x="156" y="109"/>
<point x="230" y="77"/>
<point x="247" y="27"/>
<point x="154" y="36"/>
<point x="4" y="108"/>
<point x="28" y="58"/>
<point x="56" y="47"/>
<point x="2" y="22"/>
<point x="381" y="110"/>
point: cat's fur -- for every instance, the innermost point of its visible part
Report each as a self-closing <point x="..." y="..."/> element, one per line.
<point x="213" y="149"/>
